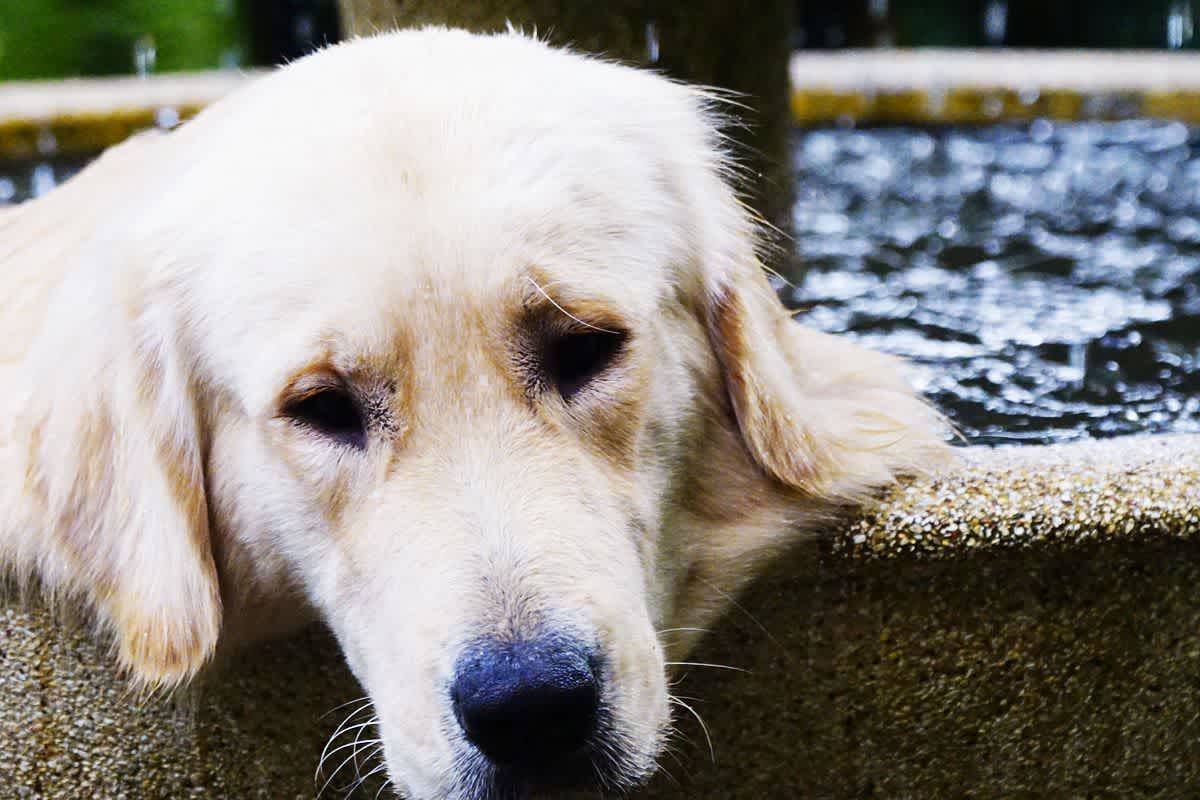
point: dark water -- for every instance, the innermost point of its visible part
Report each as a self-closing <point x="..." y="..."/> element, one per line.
<point x="1044" y="279"/>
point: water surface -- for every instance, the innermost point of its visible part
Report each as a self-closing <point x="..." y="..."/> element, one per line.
<point x="1044" y="278"/>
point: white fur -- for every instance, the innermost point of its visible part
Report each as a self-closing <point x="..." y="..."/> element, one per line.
<point x="384" y="211"/>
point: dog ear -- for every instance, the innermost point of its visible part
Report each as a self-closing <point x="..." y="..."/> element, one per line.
<point x="817" y="413"/>
<point x="799" y="425"/>
<point x="114" y="492"/>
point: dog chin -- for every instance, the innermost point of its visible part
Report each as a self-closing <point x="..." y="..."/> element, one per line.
<point x="604" y="768"/>
<point x="609" y="766"/>
<point x="576" y="782"/>
<point x="486" y="783"/>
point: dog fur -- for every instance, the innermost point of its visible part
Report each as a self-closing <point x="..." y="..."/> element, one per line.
<point x="397" y="218"/>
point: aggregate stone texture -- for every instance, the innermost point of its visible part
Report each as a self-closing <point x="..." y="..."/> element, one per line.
<point x="1131" y="489"/>
<point x="1061" y="660"/>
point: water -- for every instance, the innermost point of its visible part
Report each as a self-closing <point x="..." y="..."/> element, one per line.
<point x="1044" y="279"/>
<point x="24" y="180"/>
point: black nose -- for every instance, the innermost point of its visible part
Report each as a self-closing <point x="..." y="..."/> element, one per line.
<point x="526" y="704"/>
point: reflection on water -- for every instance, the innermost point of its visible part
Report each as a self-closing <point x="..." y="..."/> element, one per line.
<point x="25" y="180"/>
<point x="1045" y="278"/>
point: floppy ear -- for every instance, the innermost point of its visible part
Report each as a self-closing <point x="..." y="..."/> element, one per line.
<point x="114" y="460"/>
<point x="114" y="505"/>
<point x="799" y="424"/>
<point x="817" y="413"/>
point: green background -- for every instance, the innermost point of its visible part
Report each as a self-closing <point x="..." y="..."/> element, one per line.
<point x="62" y="38"/>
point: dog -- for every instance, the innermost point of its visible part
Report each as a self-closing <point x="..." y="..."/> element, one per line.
<point x="457" y="343"/>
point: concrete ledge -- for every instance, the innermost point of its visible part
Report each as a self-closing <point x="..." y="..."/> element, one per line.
<point x="1056" y="497"/>
<point x="70" y="729"/>
<point x="1085" y="71"/>
<point x="87" y="115"/>
<point x="981" y="86"/>
<point x="997" y="675"/>
<point x="1056" y="660"/>
<point x="1023" y="626"/>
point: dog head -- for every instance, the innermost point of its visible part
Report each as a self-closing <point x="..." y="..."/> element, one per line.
<point x="461" y="343"/>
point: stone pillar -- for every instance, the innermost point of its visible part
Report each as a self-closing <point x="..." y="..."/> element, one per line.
<point x="708" y="42"/>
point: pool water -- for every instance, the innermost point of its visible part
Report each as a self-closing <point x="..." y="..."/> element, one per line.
<point x="1044" y="279"/>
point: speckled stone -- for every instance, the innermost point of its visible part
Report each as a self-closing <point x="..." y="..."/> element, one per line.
<point x="1137" y="488"/>
<point x="253" y="729"/>
<point x="1059" y="660"/>
<point x="1025" y="625"/>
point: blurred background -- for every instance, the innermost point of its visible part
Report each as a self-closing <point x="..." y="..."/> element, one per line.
<point x="1027" y="234"/>
<point x="996" y="23"/>
<point x="42" y="39"/>
<point x="61" y="38"/>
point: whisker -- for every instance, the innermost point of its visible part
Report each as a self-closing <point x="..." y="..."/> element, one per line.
<point x="364" y="778"/>
<point x="674" y="754"/>
<point x="702" y="664"/>
<point x="554" y="303"/>
<point x="355" y="744"/>
<point x="347" y="760"/>
<point x="373" y="721"/>
<point x="677" y="734"/>
<point x="328" y="751"/>
<point x="676" y="782"/>
<point x="366" y="701"/>
<point x="677" y="630"/>
<point x="333" y="775"/>
<point x="601" y="781"/>
<point x="712" y="753"/>
<point x="382" y="786"/>
<point x="733" y="601"/>
<point x="332" y="738"/>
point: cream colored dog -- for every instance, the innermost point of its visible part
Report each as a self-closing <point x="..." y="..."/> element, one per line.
<point x="457" y="343"/>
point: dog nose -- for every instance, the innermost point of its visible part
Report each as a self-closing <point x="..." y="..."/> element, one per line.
<point x="526" y="704"/>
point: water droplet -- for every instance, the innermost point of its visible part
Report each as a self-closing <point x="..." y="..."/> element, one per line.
<point x="1180" y="24"/>
<point x="166" y="117"/>
<point x="145" y="55"/>
<point x="652" y="42"/>
<point x="1040" y="130"/>
<point x="42" y="180"/>
<point x="1077" y="365"/>
<point x="995" y="21"/>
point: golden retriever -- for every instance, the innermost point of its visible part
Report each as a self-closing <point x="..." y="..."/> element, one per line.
<point x="457" y="343"/>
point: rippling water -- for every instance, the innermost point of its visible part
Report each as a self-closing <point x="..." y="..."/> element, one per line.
<point x="1045" y="278"/>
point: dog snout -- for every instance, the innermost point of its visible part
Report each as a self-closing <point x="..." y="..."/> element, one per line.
<point x="526" y="705"/>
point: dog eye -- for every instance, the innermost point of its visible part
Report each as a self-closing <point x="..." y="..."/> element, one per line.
<point x="573" y="360"/>
<point x="331" y="412"/>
